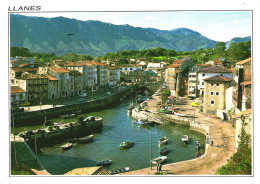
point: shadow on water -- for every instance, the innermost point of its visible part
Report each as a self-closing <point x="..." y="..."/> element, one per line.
<point x="63" y="163"/>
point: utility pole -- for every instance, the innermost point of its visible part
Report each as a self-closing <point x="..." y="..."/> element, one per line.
<point x="150" y="147"/>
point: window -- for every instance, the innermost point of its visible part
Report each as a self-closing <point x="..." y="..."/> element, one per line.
<point x="202" y="83"/>
<point x="217" y="84"/>
<point x="212" y="84"/>
<point x="212" y="102"/>
<point x="220" y="74"/>
<point x="211" y="93"/>
<point x="203" y="74"/>
<point x="217" y="93"/>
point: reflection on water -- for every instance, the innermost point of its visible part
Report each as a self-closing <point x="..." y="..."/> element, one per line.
<point x="119" y="127"/>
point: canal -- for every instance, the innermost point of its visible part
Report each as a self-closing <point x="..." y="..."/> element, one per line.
<point x="119" y="127"/>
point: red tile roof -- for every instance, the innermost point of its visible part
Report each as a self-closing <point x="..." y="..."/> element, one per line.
<point x="248" y="111"/>
<point x="173" y="66"/>
<point x="32" y="76"/>
<point x="23" y="65"/>
<point x="244" y="61"/>
<point x="51" y="78"/>
<point x="21" y="69"/>
<point x="17" y="89"/>
<point x="246" y="83"/>
<point x="215" y="69"/>
<point x="179" y="61"/>
<point x="218" y="78"/>
<point x="59" y="69"/>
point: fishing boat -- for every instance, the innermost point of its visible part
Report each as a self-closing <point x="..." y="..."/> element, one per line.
<point x="121" y="170"/>
<point x="164" y="151"/>
<point x="126" y="145"/>
<point x="66" y="146"/>
<point x="163" y="140"/>
<point x="72" y="140"/>
<point x="86" y="140"/>
<point x="159" y="159"/>
<point x="197" y="145"/>
<point x="181" y="114"/>
<point x="142" y="122"/>
<point x="66" y="116"/>
<point x="185" y="139"/>
<point x="92" y="119"/>
<point x="104" y="163"/>
<point x="199" y="155"/>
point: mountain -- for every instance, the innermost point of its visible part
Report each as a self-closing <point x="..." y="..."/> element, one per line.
<point x="237" y="40"/>
<point x="63" y="35"/>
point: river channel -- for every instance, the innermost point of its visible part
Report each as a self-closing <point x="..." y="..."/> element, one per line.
<point x="119" y="127"/>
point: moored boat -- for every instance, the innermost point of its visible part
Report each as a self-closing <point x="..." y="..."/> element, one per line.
<point x="121" y="170"/>
<point x="197" y="145"/>
<point x="86" y="140"/>
<point x="126" y="145"/>
<point x="185" y="139"/>
<point x="68" y="116"/>
<point x="66" y="146"/>
<point x="163" y="140"/>
<point x="183" y="115"/>
<point x="164" y="151"/>
<point x="104" y="163"/>
<point x="92" y="119"/>
<point x="143" y="122"/>
<point x="159" y="159"/>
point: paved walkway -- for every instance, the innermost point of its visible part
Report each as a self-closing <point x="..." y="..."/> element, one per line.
<point x="223" y="136"/>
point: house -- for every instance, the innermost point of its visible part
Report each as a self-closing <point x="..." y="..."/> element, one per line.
<point x="113" y="76"/>
<point x="75" y="82"/>
<point x="18" y="71"/>
<point x="52" y="87"/>
<point x="155" y="65"/>
<point x="210" y="72"/>
<point x="215" y="93"/>
<point x="151" y="72"/>
<point x="192" y="79"/>
<point x="177" y="76"/>
<point x="18" y="61"/>
<point x="89" y="71"/>
<point x="127" y="68"/>
<point x="36" y="86"/>
<point x="242" y="81"/>
<point x="18" y="96"/>
<point x="102" y="80"/>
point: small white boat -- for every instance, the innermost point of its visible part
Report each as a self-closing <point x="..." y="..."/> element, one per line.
<point x="185" y="139"/>
<point x="92" y="119"/>
<point x="159" y="159"/>
<point x="182" y="115"/>
<point x="66" y="146"/>
<point x="163" y="140"/>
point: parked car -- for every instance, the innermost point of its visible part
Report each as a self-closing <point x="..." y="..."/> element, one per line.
<point x="195" y="104"/>
<point x="83" y="95"/>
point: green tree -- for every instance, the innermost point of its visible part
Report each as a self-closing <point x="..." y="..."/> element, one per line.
<point x="165" y="94"/>
<point x="220" y="48"/>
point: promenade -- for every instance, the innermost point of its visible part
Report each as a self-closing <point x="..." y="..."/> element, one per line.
<point x="222" y="134"/>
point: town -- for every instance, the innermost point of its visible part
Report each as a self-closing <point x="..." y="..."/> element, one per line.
<point x="185" y="92"/>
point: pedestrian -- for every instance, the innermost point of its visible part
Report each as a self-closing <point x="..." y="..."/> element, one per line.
<point x="157" y="166"/>
<point x="212" y="143"/>
<point x="160" y="167"/>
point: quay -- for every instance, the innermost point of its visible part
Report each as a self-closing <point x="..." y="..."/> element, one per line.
<point x="222" y="133"/>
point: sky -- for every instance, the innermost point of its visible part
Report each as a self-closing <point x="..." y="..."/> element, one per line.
<point x="216" y="25"/>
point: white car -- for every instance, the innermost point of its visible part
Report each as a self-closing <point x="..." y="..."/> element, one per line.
<point x="83" y="95"/>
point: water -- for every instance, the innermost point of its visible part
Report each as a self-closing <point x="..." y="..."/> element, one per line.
<point x="119" y="127"/>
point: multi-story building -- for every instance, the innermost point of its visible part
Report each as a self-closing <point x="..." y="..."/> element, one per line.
<point x="52" y="87"/>
<point x="242" y="81"/>
<point x="127" y="68"/>
<point x="18" y="95"/>
<point x="18" y="61"/>
<point x="113" y="75"/>
<point x="173" y="71"/>
<point x="75" y="82"/>
<point x="36" y="86"/>
<point x="210" y="72"/>
<point x="101" y="75"/>
<point x="17" y="72"/>
<point x="215" y="93"/>
<point x="88" y="69"/>
<point x="192" y="79"/>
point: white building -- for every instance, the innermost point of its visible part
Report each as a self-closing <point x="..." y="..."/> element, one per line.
<point x="210" y="72"/>
<point x="127" y="68"/>
<point x="155" y="65"/>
